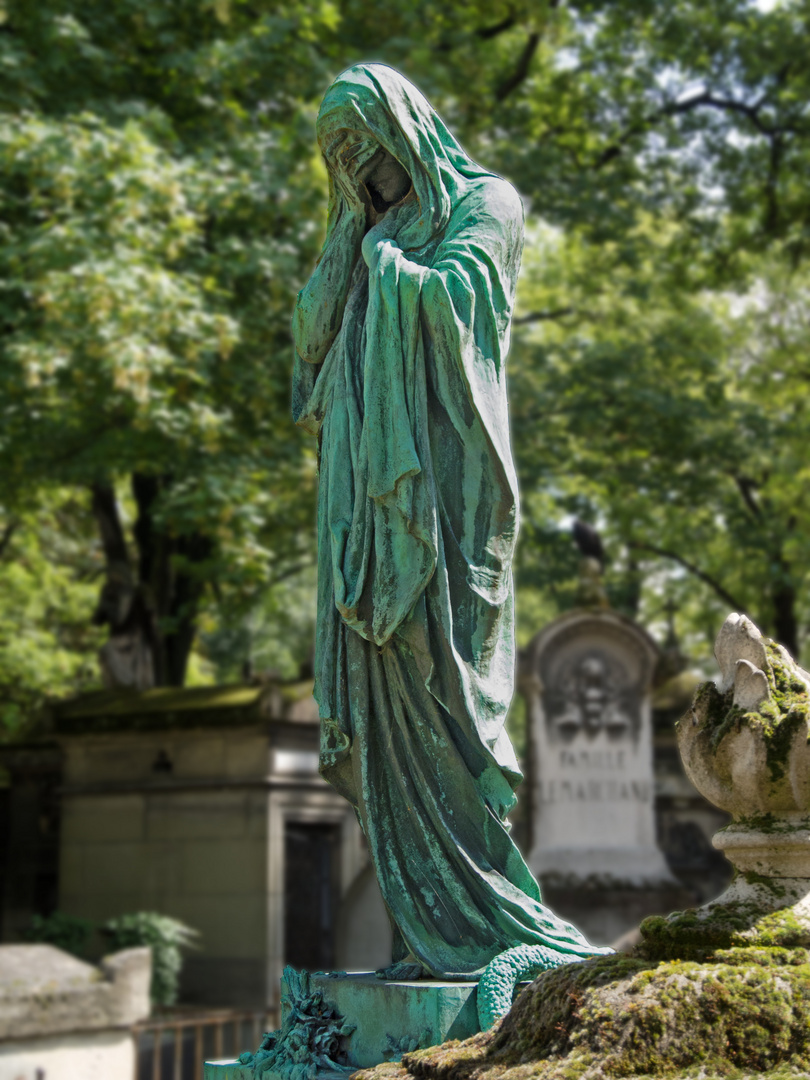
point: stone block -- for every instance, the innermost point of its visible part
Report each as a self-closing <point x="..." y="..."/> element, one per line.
<point x="101" y="818"/>
<point x="230" y="927"/>
<point x="228" y="1070"/>
<point x="71" y="868"/>
<point x="109" y="760"/>
<point x="44" y="991"/>
<point x="198" y="815"/>
<point x="90" y="1055"/>
<point x="116" y="867"/>
<point x="197" y="756"/>
<point x="247" y="756"/>
<point x="227" y="867"/>
<point x="389" y="1014"/>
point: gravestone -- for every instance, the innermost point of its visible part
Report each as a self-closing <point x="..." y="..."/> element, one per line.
<point x="63" y="1018"/>
<point x="587" y="682"/>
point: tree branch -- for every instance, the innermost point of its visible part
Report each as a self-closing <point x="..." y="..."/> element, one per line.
<point x="487" y="32"/>
<point x="522" y="70"/>
<point x="705" y="99"/>
<point x="8" y="533"/>
<point x="724" y="594"/>
<point x="105" y="511"/>
<point x="747" y="487"/>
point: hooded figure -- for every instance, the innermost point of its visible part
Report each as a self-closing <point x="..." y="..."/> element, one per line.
<point x="401" y="337"/>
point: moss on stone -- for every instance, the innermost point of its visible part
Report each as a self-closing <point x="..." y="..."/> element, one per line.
<point x="697" y="934"/>
<point x="778" y="719"/>
<point x="746" y="1014"/>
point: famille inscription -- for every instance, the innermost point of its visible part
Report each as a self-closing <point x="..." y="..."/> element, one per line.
<point x="584" y="776"/>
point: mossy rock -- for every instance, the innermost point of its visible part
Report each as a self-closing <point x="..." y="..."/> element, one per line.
<point x="698" y="933"/>
<point x="745" y="1015"/>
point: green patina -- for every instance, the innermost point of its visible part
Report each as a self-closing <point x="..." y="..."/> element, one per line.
<point x="777" y="719"/>
<point x="746" y="1015"/>
<point x="401" y="337"/>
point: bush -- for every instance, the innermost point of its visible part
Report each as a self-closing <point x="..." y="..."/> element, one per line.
<point x="166" y="936"/>
<point x="67" y="932"/>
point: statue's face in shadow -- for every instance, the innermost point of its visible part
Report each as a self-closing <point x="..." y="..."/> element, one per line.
<point x="361" y="158"/>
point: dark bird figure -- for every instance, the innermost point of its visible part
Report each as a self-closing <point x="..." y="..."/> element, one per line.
<point x="588" y="541"/>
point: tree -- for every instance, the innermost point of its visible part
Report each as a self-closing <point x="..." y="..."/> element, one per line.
<point x="158" y="171"/>
<point x="162" y="201"/>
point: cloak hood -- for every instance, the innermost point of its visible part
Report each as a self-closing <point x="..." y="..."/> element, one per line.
<point x="376" y="99"/>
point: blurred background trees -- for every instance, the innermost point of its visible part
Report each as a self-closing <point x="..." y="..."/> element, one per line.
<point x="162" y="201"/>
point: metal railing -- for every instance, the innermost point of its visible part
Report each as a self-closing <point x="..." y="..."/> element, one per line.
<point x="174" y="1046"/>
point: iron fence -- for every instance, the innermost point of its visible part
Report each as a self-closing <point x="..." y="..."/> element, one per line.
<point x="174" y="1046"/>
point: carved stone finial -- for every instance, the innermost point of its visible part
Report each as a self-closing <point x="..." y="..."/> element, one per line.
<point x="745" y="744"/>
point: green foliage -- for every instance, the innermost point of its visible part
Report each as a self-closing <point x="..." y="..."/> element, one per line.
<point x="165" y="936"/>
<point x="67" y="932"/>
<point x="162" y="201"/>
<point x="49" y="567"/>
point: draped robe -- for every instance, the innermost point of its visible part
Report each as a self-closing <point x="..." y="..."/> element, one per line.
<point x="417" y="522"/>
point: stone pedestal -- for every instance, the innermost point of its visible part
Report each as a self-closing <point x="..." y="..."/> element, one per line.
<point x="388" y="1018"/>
<point x="586" y="679"/>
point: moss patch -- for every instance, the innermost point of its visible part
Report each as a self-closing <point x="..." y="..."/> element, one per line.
<point x="697" y="934"/>
<point x="748" y="1014"/>
<point x="778" y="719"/>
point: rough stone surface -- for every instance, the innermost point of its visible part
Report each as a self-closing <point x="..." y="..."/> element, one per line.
<point x="44" y="991"/>
<point x="755" y="763"/>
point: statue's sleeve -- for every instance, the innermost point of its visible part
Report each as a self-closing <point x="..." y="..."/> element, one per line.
<point x="464" y="300"/>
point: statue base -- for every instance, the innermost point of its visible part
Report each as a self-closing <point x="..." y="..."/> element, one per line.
<point x="387" y="1020"/>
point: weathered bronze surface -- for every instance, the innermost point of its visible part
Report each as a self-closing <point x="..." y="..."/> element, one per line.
<point x="402" y="334"/>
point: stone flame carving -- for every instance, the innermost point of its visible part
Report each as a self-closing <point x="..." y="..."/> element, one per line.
<point x="745" y="744"/>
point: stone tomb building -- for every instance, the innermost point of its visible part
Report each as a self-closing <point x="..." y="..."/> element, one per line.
<point x="205" y="804"/>
<point x="587" y="681"/>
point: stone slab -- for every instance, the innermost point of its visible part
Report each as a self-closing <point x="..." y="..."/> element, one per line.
<point x="390" y="1017"/>
<point x="44" y="991"/>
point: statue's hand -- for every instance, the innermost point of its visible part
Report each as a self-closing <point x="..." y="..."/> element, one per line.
<point x="356" y="202"/>
<point x="348" y="160"/>
<point x="389" y="225"/>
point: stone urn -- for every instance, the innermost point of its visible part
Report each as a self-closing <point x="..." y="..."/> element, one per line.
<point x="745" y="744"/>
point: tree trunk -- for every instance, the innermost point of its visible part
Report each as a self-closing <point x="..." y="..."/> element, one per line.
<point x="128" y="657"/>
<point x="166" y="570"/>
<point x="785" y="623"/>
<point x="151" y="608"/>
